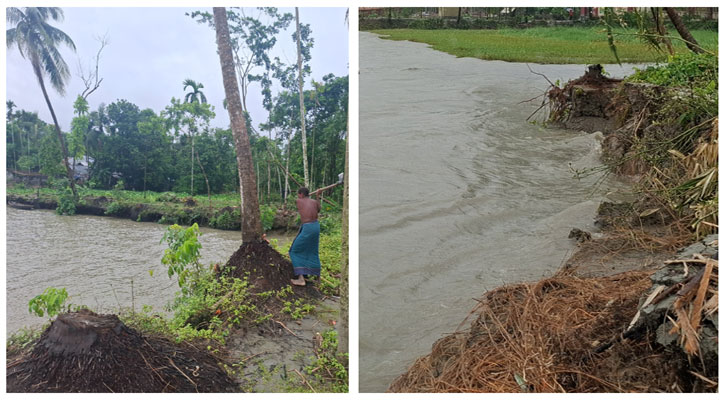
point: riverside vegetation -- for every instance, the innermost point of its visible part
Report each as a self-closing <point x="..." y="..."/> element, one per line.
<point x="633" y="310"/>
<point x="210" y="308"/>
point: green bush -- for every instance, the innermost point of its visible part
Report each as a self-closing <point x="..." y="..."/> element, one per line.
<point x="115" y="208"/>
<point x="227" y="221"/>
<point x="267" y="214"/>
<point x="183" y="252"/>
<point x="682" y="70"/>
<point x="167" y="197"/>
<point x="50" y="302"/>
<point x="66" y="203"/>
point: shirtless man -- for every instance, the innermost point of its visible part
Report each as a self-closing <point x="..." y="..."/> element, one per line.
<point x="307" y="207"/>
<point x="304" y="251"/>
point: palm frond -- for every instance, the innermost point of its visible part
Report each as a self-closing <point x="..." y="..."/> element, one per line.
<point x="13" y="15"/>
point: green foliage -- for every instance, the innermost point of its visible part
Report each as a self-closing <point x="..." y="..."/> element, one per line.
<point x="227" y="220"/>
<point x="66" y="203"/>
<point x="50" y="302"/>
<point x="684" y="70"/>
<point x="183" y="252"/>
<point x="558" y="45"/>
<point x="115" y="208"/>
<point x="297" y="309"/>
<point x="267" y="213"/>
<point x="22" y="340"/>
<point x="329" y="368"/>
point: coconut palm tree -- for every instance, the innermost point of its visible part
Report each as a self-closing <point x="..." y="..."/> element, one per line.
<point x="251" y="220"/>
<point x="38" y="42"/>
<point x="196" y="95"/>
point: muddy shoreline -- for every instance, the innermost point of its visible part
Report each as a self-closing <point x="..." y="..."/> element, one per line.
<point x="181" y="213"/>
<point x="515" y="344"/>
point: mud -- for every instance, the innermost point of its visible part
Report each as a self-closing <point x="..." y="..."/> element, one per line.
<point x="268" y="357"/>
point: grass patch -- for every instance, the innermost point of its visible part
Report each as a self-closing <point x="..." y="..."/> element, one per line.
<point x="558" y="45"/>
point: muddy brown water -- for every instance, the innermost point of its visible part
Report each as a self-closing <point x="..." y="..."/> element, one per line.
<point x="95" y="259"/>
<point x="458" y="193"/>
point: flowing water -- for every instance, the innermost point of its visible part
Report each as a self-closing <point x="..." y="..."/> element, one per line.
<point x="458" y="193"/>
<point x="96" y="259"/>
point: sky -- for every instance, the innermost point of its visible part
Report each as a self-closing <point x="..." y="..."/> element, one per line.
<point x="151" y="51"/>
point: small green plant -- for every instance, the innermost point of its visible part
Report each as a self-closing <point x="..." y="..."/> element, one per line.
<point x="329" y="368"/>
<point x="50" y="302"/>
<point x="66" y="203"/>
<point x="114" y="208"/>
<point x="183" y="252"/>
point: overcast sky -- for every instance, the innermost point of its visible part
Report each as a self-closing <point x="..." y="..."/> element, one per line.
<point x="151" y="51"/>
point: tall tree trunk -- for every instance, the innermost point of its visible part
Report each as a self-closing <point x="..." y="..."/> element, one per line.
<point x="344" y="328"/>
<point x="302" y="98"/>
<point x="251" y="220"/>
<point x="57" y="131"/>
<point x="683" y="31"/>
<point x="660" y="24"/>
<point x="269" y="181"/>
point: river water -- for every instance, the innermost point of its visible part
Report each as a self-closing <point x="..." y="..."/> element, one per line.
<point x="95" y="259"/>
<point x="458" y="193"/>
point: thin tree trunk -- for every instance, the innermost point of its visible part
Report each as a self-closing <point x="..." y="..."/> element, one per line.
<point x="257" y="178"/>
<point x="286" y="177"/>
<point x="57" y="131"/>
<point x="269" y="181"/>
<point x="279" y="181"/>
<point x="12" y="139"/>
<point x="208" y="189"/>
<point x="343" y="342"/>
<point x="251" y="220"/>
<point x="312" y="161"/>
<point x="683" y="31"/>
<point x="302" y="98"/>
<point x="660" y="24"/>
<point x="192" y="164"/>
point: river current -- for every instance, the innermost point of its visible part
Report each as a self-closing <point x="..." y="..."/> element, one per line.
<point x="459" y="194"/>
<point x="96" y="259"/>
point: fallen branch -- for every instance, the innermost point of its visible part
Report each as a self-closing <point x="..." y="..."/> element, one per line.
<point x="182" y="372"/>
<point x="287" y="329"/>
<point x="304" y="380"/>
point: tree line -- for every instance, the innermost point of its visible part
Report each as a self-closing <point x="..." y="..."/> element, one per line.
<point x="176" y="149"/>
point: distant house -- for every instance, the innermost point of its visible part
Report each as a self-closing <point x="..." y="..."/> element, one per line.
<point x="80" y="168"/>
<point x="368" y="11"/>
<point x="444" y="12"/>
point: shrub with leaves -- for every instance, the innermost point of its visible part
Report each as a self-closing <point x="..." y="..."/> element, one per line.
<point x="183" y="252"/>
<point x="50" y="302"/>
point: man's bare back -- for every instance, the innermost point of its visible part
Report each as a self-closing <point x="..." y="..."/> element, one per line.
<point x="308" y="208"/>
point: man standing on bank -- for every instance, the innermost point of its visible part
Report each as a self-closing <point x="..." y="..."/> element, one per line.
<point x="305" y="251"/>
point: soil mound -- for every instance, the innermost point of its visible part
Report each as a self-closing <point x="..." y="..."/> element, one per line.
<point x="266" y="268"/>
<point x="88" y="352"/>
<point x="562" y="334"/>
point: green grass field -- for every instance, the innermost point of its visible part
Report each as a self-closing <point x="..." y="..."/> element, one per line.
<point x="559" y="45"/>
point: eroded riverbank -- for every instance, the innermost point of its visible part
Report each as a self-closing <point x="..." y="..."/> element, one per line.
<point x="459" y="193"/>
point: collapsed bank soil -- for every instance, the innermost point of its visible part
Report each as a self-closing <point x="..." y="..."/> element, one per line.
<point x="651" y="327"/>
